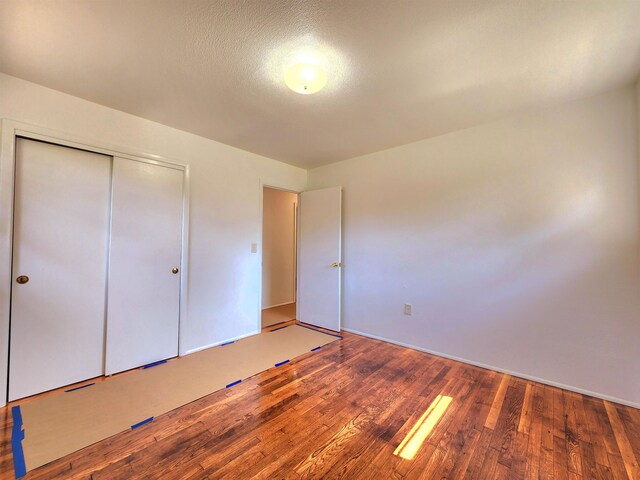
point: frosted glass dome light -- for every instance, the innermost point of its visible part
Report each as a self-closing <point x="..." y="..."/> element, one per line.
<point x="305" y="78"/>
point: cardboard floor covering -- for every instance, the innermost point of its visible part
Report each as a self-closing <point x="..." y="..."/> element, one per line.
<point x="62" y="423"/>
<point x="275" y="315"/>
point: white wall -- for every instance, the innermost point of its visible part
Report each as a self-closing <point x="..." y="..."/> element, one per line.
<point x="278" y="247"/>
<point x="224" y="276"/>
<point x="517" y="243"/>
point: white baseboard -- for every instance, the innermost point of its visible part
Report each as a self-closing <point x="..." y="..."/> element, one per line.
<point x="501" y="370"/>
<point x="204" y="347"/>
<point x="279" y="305"/>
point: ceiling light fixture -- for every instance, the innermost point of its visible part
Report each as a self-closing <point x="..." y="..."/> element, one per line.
<point x="305" y="78"/>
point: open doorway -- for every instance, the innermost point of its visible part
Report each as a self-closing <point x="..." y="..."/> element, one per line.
<point x="279" y="256"/>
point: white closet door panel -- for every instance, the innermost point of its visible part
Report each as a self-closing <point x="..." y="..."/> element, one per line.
<point x="146" y="244"/>
<point x="61" y="227"/>
<point x="320" y="257"/>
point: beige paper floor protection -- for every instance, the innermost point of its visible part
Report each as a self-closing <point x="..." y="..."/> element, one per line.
<point x="275" y="315"/>
<point x="60" y="424"/>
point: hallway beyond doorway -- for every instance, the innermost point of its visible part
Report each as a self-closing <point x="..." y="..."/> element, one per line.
<point x="279" y="314"/>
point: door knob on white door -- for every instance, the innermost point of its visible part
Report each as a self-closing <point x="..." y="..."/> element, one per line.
<point x="174" y="270"/>
<point x="336" y="264"/>
<point x="22" y="279"/>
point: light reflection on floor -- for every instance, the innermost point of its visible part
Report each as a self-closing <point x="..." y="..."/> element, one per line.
<point x="423" y="428"/>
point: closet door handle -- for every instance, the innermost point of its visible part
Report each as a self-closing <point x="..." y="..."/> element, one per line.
<point x="22" y="279"/>
<point x="174" y="270"/>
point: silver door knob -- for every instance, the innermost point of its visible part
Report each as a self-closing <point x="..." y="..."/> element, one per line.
<point x="174" y="270"/>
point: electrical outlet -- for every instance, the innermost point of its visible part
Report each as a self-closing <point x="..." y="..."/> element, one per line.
<point x="407" y="309"/>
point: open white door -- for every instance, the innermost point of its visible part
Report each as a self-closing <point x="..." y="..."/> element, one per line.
<point x="320" y="258"/>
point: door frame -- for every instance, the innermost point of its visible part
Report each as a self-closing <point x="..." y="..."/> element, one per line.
<point x="284" y="188"/>
<point x="10" y="129"/>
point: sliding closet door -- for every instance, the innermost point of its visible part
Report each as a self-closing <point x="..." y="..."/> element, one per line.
<point x="61" y="224"/>
<point x="144" y="277"/>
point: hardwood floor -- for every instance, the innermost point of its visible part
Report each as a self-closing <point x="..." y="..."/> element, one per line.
<point x="342" y="412"/>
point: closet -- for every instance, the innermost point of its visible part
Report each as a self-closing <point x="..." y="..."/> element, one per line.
<point x="96" y="265"/>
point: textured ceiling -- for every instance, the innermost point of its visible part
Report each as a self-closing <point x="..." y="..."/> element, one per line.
<point x="399" y="70"/>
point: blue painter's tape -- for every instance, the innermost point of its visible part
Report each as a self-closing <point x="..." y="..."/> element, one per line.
<point x="17" y="417"/>
<point x="317" y="348"/>
<point x="154" y="364"/>
<point x="227" y="343"/>
<point x="234" y="383"/>
<point x="282" y="363"/>
<point x="276" y="329"/>
<point x="139" y="424"/>
<point x="78" y="388"/>
<point x="319" y="331"/>
<point x="17" y="435"/>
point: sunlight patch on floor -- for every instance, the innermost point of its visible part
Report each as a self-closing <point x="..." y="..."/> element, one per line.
<point x="410" y="445"/>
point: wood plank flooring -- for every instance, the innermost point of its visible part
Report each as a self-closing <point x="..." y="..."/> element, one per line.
<point x="342" y="412"/>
